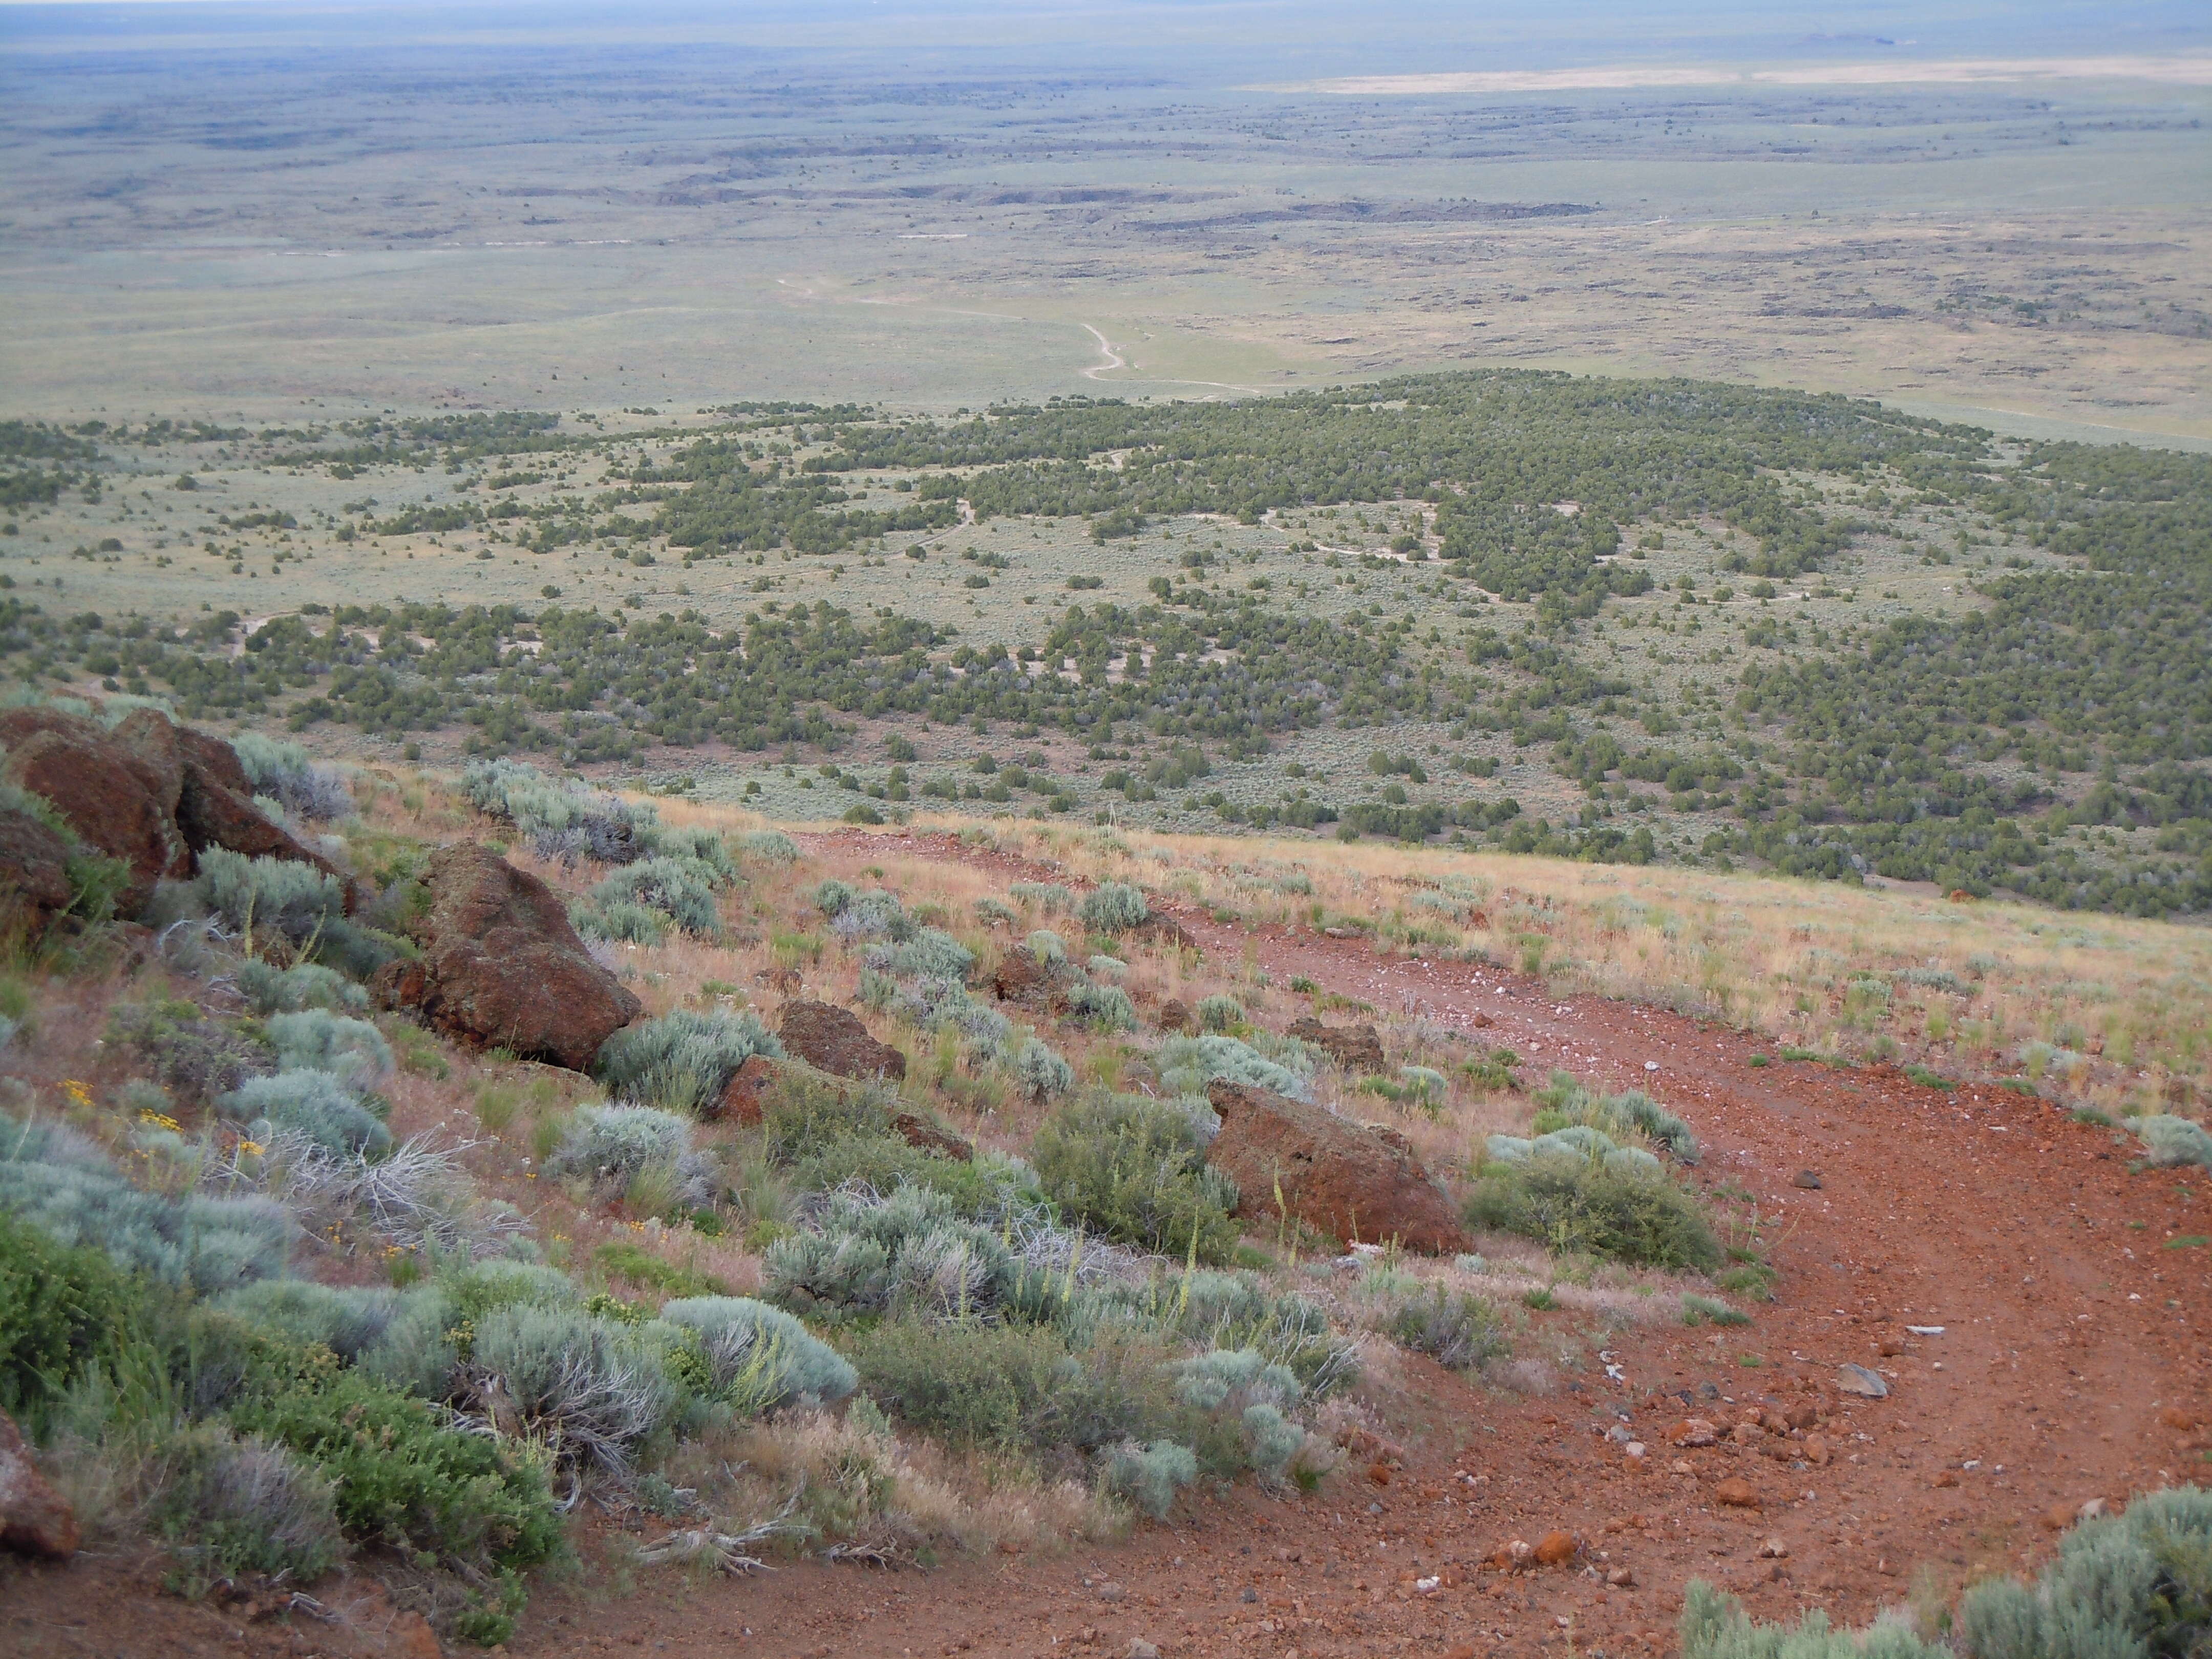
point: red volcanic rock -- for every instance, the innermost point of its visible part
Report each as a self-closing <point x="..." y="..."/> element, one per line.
<point x="1339" y="1176"/>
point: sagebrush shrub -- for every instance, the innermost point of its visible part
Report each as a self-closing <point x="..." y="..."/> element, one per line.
<point x="2137" y="1582"/>
<point x="1050" y="897"/>
<point x="2172" y="1141"/>
<point x="682" y="1061"/>
<point x="232" y="1505"/>
<point x="768" y="847"/>
<point x="1114" y="907"/>
<point x="1453" y="1328"/>
<point x="323" y="1107"/>
<point x="1041" y="1072"/>
<point x="1564" y="1102"/>
<point x="1046" y="946"/>
<point x="1713" y="1626"/>
<point x="967" y="1382"/>
<point x="1187" y="1064"/>
<point x="198" y="1059"/>
<point x="1148" y="1476"/>
<point x="617" y="923"/>
<point x="418" y="1348"/>
<point x="296" y="900"/>
<point x="347" y="1319"/>
<point x="210" y="1244"/>
<point x="682" y="889"/>
<point x="931" y="954"/>
<point x="283" y="772"/>
<point x="559" y="819"/>
<point x="318" y="1040"/>
<point x="911" y="1252"/>
<point x="2134" y="1586"/>
<point x="590" y="1387"/>
<point x="1135" y="1169"/>
<point x="274" y="990"/>
<point x="1105" y="1007"/>
<point x="612" y="1146"/>
<point x="1218" y="1013"/>
<point x="760" y="1358"/>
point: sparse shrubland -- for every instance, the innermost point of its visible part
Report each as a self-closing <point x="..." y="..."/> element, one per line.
<point x="1052" y="1318"/>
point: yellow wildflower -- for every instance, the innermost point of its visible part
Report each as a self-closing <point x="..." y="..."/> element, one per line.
<point x="80" y="1097"/>
<point x="153" y="1119"/>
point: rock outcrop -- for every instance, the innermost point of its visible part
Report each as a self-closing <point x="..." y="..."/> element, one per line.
<point x="34" y="887"/>
<point x="35" y="1518"/>
<point x="150" y="792"/>
<point x="501" y="967"/>
<point x="118" y="803"/>
<point x="741" y="1096"/>
<point x="215" y="805"/>
<point x="1024" y="979"/>
<point x="1344" y="1179"/>
<point x="1357" y="1048"/>
<point x="833" y="1039"/>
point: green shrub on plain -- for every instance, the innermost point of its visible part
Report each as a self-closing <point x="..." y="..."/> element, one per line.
<point x="1575" y="1205"/>
<point x="402" y="1476"/>
<point x="1135" y="1169"/>
<point x="65" y="1312"/>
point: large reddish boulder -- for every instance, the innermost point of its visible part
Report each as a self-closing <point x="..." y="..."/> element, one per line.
<point x="501" y="967"/>
<point x="832" y="1039"/>
<point x="34" y="885"/>
<point x="1345" y="1180"/>
<point x="215" y="805"/>
<point x="117" y="802"/>
<point x="742" y="1094"/>
<point x="1357" y="1048"/>
<point x="35" y="1518"/>
<point x="1022" y="977"/>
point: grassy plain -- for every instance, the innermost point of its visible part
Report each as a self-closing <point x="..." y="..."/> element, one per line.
<point x="225" y="230"/>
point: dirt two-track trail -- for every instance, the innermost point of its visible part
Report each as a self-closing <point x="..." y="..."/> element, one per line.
<point x="2071" y="1366"/>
